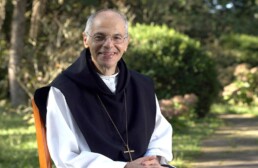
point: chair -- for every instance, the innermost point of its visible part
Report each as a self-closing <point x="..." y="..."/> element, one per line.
<point x="44" y="156"/>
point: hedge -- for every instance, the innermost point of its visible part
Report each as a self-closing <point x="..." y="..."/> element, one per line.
<point x="175" y="62"/>
<point x="241" y="48"/>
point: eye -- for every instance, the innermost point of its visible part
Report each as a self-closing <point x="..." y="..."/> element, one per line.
<point x="117" y="38"/>
<point x="99" y="37"/>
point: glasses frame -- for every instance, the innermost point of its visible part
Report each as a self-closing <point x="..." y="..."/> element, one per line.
<point x="106" y="37"/>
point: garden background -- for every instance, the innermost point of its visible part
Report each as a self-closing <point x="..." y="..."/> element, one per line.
<point x="202" y="56"/>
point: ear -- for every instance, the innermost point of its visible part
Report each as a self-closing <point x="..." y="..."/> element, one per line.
<point x="85" y="40"/>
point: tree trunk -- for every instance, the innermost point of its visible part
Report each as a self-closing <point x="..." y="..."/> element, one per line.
<point x="17" y="94"/>
<point x="38" y="8"/>
<point x="2" y="12"/>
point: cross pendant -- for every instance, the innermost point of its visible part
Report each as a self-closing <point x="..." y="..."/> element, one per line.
<point x="129" y="152"/>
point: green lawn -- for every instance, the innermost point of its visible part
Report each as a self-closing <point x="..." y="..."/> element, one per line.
<point x="19" y="148"/>
<point x="17" y="140"/>
<point x="220" y="109"/>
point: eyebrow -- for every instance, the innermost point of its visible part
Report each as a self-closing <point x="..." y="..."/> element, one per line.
<point x="100" y="33"/>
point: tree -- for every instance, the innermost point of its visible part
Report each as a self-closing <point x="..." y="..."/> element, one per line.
<point x="18" y="95"/>
<point x="38" y="8"/>
<point x="2" y="12"/>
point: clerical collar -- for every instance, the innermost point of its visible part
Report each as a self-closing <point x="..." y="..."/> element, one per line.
<point x="110" y="81"/>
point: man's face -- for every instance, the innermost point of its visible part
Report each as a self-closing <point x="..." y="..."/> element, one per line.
<point x="108" y="40"/>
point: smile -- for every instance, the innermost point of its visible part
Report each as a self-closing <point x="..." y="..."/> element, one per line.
<point x="107" y="54"/>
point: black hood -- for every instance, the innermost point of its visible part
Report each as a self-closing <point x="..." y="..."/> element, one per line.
<point x="133" y="103"/>
<point x="82" y="72"/>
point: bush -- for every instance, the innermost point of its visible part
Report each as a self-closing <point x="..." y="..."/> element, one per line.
<point x="243" y="90"/>
<point x="178" y="105"/>
<point x="241" y="48"/>
<point x="176" y="63"/>
<point x="234" y="49"/>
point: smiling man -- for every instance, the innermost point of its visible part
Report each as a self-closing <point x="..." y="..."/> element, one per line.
<point x="97" y="112"/>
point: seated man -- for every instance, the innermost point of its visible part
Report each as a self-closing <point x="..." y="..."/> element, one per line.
<point x="100" y="114"/>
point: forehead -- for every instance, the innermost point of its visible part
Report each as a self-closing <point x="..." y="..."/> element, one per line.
<point x="108" y="22"/>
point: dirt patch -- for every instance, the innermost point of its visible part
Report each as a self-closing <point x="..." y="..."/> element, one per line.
<point x="235" y="145"/>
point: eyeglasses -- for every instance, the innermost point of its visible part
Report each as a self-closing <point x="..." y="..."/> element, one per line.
<point x="101" y="38"/>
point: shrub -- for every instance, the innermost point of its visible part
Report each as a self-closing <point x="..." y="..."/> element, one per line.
<point x="241" y="48"/>
<point x="178" y="105"/>
<point x="176" y="63"/>
<point x="234" y="49"/>
<point x="243" y="90"/>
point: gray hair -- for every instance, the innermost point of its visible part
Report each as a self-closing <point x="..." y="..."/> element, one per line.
<point x="92" y="17"/>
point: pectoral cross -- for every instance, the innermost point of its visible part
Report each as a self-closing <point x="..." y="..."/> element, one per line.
<point x="129" y="152"/>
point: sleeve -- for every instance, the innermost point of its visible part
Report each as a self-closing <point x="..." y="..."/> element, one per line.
<point x="161" y="140"/>
<point x="67" y="146"/>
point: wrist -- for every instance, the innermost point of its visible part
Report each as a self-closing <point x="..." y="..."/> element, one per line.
<point x="126" y="166"/>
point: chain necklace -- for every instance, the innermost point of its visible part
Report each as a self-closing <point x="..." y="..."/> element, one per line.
<point x="128" y="150"/>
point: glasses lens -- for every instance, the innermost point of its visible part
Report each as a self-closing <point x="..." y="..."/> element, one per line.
<point x="117" y="39"/>
<point x="101" y="38"/>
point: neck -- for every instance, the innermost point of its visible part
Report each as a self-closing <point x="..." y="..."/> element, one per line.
<point x="107" y="71"/>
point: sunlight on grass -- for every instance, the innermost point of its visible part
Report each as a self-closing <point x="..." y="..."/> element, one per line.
<point x="17" y="140"/>
<point x="222" y="108"/>
<point x="20" y="130"/>
<point x="179" y="163"/>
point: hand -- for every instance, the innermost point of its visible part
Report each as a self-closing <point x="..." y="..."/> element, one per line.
<point x="144" y="162"/>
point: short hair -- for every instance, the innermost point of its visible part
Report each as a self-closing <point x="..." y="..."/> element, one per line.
<point x="92" y="17"/>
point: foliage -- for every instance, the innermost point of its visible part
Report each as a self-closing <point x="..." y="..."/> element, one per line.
<point x="230" y="50"/>
<point x="236" y="16"/>
<point x="240" y="47"/>
<point x="178" y="105"/>
<point x="243" y="90"/>
<point x="3" y="69"/>
<point x="58" y="40"/>
<point x="58" y="43"/>
<point x="205" y="20"/>
<point x="176" y="63"/>
<point x="236" y="57"/>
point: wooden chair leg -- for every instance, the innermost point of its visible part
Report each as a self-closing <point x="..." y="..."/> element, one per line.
<point x="44" y="156"/>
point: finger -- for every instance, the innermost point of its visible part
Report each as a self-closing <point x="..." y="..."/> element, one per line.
<point x="151" y="162"/>
<point x="146" y="158"/>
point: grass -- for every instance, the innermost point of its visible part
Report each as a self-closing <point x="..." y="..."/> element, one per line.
<point x="221" y="108"/>
<point x="17" y="140"/>
<point x="19" y="148"/>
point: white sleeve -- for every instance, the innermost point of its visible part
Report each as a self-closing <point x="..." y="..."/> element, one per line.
<point x="66" y="144"/>
<point x="161" y="140"/>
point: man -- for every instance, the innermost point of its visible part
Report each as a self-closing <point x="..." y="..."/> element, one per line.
<point x="100" y="114"/>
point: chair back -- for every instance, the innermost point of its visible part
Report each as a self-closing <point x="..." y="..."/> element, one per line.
<point x="44" y="156"/>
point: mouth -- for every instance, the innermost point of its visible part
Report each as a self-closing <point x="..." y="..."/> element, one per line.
<point x="107" y="55"/>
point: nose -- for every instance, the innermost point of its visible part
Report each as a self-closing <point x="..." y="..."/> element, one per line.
<point x="108" y="42"/>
